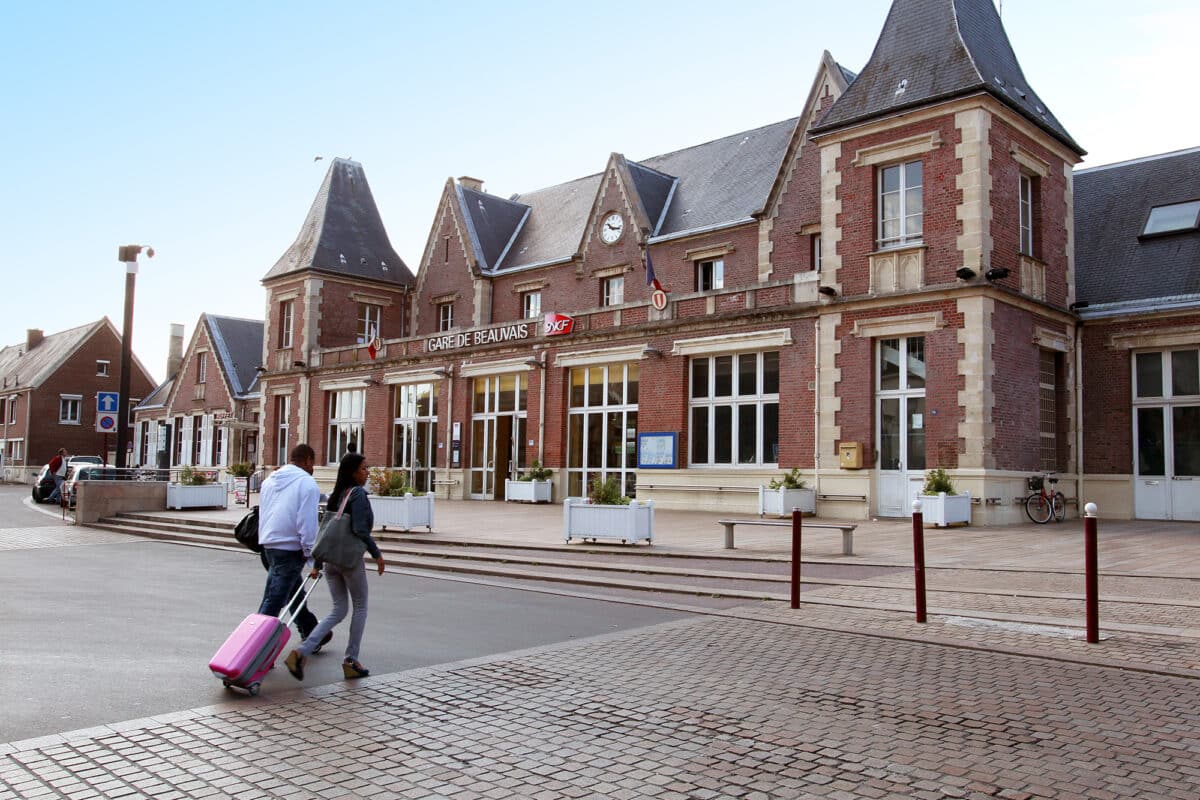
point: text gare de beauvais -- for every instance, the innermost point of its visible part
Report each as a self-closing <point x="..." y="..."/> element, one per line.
<point x="453" y="341"/>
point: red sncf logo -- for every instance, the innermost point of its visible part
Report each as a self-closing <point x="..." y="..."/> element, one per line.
<point x="557" y="324"/>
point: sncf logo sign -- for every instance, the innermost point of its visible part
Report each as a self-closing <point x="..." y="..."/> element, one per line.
<point x="557" y="324"/>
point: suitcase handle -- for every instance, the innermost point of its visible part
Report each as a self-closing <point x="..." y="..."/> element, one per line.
<point x="284" y="611"/>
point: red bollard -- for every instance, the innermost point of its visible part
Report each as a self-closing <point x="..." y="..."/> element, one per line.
<point x="1091" y="558"/>
<point x="919" y="558"/>
<point x="795" y="558"/>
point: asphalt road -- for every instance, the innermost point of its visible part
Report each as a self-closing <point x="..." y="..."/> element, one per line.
<point x="98" y="633"/>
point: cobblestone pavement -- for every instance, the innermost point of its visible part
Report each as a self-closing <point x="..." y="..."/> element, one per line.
<point x="57" y="536"/>
<point x="703" y="708"/>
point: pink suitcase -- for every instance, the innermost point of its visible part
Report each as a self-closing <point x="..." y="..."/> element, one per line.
<point x="250" y="651"/>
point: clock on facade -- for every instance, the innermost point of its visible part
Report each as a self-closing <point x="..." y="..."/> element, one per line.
<point x="612" y="228"/>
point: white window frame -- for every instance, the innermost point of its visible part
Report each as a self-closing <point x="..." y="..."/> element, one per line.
<point x="615" y="397"/>
<point x="347" y="416"/>
<point x="286" y="309"/>
<point x="70" y="409"/>
<point x="1025" y="189"/>
<point x="709" y="402"/>
<point x="283" y="416"/>
<point x="102" y="367"/>
<point x="407" y="418"/>
<point x="445" y="316"/>
<point x="370" y="322"/>
<point x="531" y="304"/>
<point x="612" y="291"/>
<point x="197" y="441"/>
<point x="816" y="252"/>
<point x="201" y="367"/>
<point x="710" y="275"/>
<point x="904" y="213"/>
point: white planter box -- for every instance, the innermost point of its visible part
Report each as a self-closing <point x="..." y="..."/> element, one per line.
<point x="632" y="523"/>
<point x="780" y="502"/>
<point x="527" y="491"/>
<point x="405" y="512"/>
<point x="210" y="495"/>
<point x="944" y="509"/>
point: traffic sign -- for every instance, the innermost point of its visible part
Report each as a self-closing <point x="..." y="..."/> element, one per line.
<point x="106" y="423"/>
<point x="107" y="402"/>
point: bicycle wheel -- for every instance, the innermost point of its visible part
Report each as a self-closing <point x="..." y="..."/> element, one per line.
<point x="1037" y="506"/>
<point x="1060" y="506"/>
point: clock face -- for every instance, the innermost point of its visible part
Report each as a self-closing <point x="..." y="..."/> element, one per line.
<point x="612" y="228"/>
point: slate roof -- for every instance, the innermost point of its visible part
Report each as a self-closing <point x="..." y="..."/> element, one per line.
<point x="343" y="232"/>
<point x="157" y="398"/>
<point x="719" y="182"/>
<point x="491" y="223"/>
<point x="1114" y="265"/>
<point x="22" y="369"/>
<point x="941" y="49"/>
<point x="239" y="345"/>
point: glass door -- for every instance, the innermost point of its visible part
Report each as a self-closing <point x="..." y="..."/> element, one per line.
<point x="498" y="428"/>
<point x="1166" y="435"/>
<point x="900" y="424"/>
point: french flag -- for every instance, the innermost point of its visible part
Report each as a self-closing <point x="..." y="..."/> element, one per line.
<point x="650" y="279"/>
<point x="373" y="344"/>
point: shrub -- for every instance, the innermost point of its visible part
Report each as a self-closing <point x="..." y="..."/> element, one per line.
<point x="242" y="469"/>
<point x="192" y="477"/>
<point x="537" y="472"/>
<point x="937" y="481"/>
<point x="607" y="493"/>
<point x="790" y="480"/>
<point x="388" y="482"/>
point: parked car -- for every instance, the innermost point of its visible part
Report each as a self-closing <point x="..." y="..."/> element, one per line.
<point x="44" y="484"/>
<point x="86" y="472"/>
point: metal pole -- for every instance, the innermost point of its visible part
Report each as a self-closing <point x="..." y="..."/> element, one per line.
<point x="796" y="558"/>
<point x="126" y="364"/>
<point x="918" y="524"/>
<point x="1091" y="568"/>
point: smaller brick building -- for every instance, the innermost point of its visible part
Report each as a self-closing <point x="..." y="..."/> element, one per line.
<point x="48" y="388"/>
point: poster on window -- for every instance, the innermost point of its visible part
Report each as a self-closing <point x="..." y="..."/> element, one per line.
<point x="658" y="450"/>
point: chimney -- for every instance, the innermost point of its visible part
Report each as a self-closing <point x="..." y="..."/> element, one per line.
<point x="175" y="350"/>
<point x="33" y="337"/>
<point x="467" y="182"/>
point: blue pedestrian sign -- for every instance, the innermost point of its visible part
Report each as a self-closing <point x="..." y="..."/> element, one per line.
<point x="107" y="402"/>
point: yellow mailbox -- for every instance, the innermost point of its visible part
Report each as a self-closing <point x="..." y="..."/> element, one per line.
<point x="850" y="455"/>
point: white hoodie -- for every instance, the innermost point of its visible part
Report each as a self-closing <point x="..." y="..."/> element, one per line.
<point x="287" y="514"/>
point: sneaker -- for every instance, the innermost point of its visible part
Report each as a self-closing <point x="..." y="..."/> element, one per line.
<point x="352" y="669"/>
<point x="295" y="664"/>
<point x="326" y="639"/>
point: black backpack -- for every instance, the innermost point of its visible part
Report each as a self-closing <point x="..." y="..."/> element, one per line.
<point x="246" y="531"/>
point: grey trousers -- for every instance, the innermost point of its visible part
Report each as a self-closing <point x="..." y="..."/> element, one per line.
<point x="341" y="584"/>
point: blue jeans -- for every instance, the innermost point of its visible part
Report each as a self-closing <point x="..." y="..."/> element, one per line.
<point x="56" y="495"/>
<point x="285" y="573"/>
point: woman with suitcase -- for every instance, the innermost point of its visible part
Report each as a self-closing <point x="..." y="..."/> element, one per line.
<point x="346" y="587"/>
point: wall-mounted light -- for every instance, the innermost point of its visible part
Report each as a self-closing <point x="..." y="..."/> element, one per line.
<point x="260" y="368"/>
<point x="828" y="291"/>
<point x="652" y="351"/>
<point x="996" y="273"/>
<point x="371" y="381"/>
<point x="442" y="372"/>
<point x="965" y="273"/>
<point x="299" y="364"/>
<point x="1078" y="304"/>
<point x="533" y="362"/>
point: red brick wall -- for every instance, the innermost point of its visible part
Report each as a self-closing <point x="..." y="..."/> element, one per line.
<point x="216" y="396"/>
<point x="1016" y="412"/>
<point x="271" y="332"/>
<point x="445" y="271"/>
<point x="339" y="312"/>
<point x="799" y="205"/>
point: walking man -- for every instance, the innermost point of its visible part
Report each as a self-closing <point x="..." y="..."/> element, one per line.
<point x="58" y="468"/>
<point x="287" y="528"/>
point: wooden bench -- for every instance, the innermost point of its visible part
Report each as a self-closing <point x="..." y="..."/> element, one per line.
<point x="847" y="530"/>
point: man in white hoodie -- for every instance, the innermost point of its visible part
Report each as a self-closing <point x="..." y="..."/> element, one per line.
<point x="287" y="526"/>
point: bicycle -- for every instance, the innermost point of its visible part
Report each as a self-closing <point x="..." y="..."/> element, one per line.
<point x="1044" y="503"/>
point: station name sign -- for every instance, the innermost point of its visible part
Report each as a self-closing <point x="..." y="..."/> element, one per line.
<point x="454" y="341"/>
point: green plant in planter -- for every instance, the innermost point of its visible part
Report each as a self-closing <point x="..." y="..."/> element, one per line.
<point x="537" y="472"/>
<point x="386" y="482"/>
<point x="241" y="469"/>
<point x="790" y="480"/>
<point x="192" y="477"/>
<point x="938" y="481"/>
<point x="607" y="493"/>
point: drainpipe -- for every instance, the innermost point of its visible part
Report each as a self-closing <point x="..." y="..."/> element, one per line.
<point x="542" y="409"/>
<point x="1079" y="416"/>
<point x="817" y="405"/>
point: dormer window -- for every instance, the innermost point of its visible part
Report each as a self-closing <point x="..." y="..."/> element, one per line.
<point x="901" y="204"/>
<point x="1174" y="218"/>
<point x="445" y="316"/>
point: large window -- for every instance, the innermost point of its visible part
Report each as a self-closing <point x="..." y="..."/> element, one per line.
<point x="178" y="444"/>
<point x="283" y="415"/>
<point x="445" y="316"/>
<point x="1027" y="192"/>
<point x="369" y="319"/>
<point x="901" y="204"/>
<point x="735" y="409"/>
<point x="346" y="416"/>
<point x="612" y="291"/>
<point x="602" y="427"/>
<point x="1048" y="409"/>
<point x="531" y="305"/>
<point x="68" y="408"/>
<point x="710" y="275"/>
<point x="144" y="439"/>
<point x="414" y="433"/>
<point x="285" y="326"/>
<point x="197" y="441"/>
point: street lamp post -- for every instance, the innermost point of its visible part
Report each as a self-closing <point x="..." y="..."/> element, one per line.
<point x="127" y="255"/>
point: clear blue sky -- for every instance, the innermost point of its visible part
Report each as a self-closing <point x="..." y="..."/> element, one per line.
<point x="193" y="127"/>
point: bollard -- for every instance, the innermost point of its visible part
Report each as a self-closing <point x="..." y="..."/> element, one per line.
<point x="795" y="558"/>
<point x="919" y="558"/>
<point x="1091" y="569"/>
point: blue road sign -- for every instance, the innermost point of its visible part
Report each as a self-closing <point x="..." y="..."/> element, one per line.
<point x="107" y="402"/>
